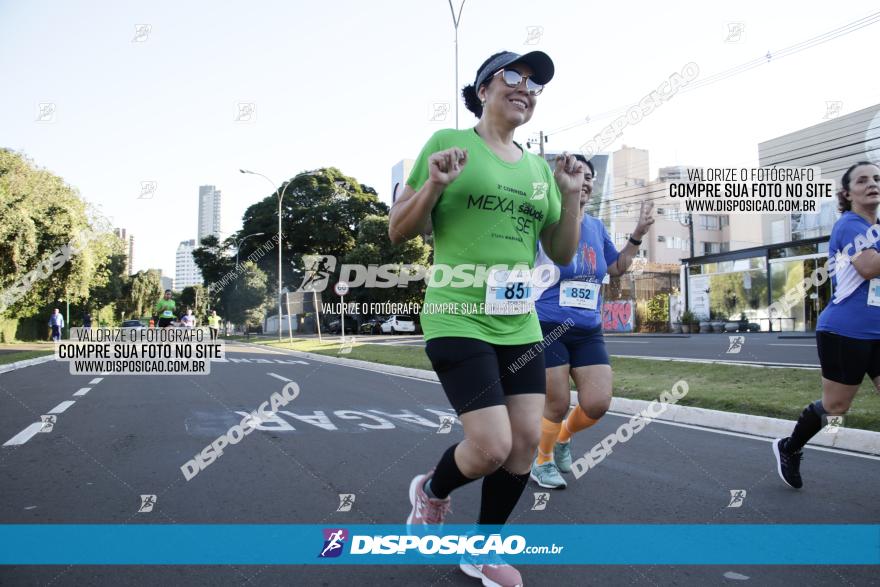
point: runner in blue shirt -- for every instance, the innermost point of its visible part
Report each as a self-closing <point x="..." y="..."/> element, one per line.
<point x="848" y="332"/>
<point x="570" y="312"/>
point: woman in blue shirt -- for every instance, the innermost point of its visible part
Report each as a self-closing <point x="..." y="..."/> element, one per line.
<point x="570" y="312"/>
<point x="848" y="331"/>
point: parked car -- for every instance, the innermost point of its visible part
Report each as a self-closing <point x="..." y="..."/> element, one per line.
<point x="351" y="326"/>
<point x="372" y="326"/>
<point x="398" y="324"/>
<point x="132" y="324"/>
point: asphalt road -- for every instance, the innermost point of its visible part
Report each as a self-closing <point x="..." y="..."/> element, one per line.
<point x="756" y="348"/>
<point x="129" y="435"/>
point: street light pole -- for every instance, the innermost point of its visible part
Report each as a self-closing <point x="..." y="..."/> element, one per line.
<point x="280" y="195"/>
<point x="455" y="22"/>
<point x="239" y="243"/>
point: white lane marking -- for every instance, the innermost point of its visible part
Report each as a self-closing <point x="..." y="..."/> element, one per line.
<point x="82" y="391"/>
<point x="752" y="437"/>
<point x="60" y="408"/>
<point x="96" y="380"/>
<point x="276" y="376"/>
<point x="757" y="364"/>
<point x="24" y="435"/>
<point x="789" y="344"/>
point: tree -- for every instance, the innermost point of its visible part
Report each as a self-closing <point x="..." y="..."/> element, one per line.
<point x="321" y="214"/>
<point x="196" y="299"/>
<point x="245" y="302"/>
<point x="42" y="223"/>
<point x="213" y="259"/>
<point x="141" y="293"/>
<point x="375" y="248"/>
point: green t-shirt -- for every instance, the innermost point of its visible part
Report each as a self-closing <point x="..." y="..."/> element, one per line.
<point x="214" y="321"/>
<point x="492" y="214"/>
<point x="165" y="308"/>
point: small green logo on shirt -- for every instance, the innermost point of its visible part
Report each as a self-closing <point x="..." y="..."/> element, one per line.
<point x="539" y="190"/>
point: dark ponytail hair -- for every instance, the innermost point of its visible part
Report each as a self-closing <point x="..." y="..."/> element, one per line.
<point x="469" y="92"/>
<point x="843" y="204"/>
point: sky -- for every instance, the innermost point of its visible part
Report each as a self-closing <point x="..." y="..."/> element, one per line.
<point x="151" y="92"/>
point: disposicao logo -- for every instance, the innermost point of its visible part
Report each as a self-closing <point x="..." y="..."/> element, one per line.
<point x="334" y="542"/>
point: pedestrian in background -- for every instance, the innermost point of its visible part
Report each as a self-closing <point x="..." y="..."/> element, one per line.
<point x="214" y="324"/>
<point x="56" y="322"/>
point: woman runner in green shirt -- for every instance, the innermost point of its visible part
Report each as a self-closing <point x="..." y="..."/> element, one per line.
<point x="488" y="202"/>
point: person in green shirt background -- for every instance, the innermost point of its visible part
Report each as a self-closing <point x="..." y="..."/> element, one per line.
<point x="214" y="324"/>
<point x="164" y="309"/>
<point x="488" y="202"/>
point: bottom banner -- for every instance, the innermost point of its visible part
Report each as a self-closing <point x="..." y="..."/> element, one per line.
<point x="351" y="544"/>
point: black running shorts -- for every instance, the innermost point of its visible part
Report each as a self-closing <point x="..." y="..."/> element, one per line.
<point x="846" y="360"/>
<point x="477" y="374"/>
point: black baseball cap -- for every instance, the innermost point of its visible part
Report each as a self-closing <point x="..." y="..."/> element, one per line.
<point x="539" y="61"/>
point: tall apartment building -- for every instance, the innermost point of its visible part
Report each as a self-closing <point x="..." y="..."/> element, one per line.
<point x="186" y="272"/>
<point x="209" y="212"/>
<point x="399" y="174"/>
<point x="128" y="239"/>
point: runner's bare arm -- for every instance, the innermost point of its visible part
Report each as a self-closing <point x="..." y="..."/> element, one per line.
<point x="561" y="238"/>
<point x="867" y="263"/>
<point x="411" y="214"/>
<point x="629" y="251"/>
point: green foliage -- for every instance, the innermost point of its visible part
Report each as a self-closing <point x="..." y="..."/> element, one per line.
<point x="658" y="308"/>
<point x="40" y="214"/>
<point x="245" y="301"/>
<point x="141" y="293"/>
<point x="196" y="299"/>
<point x="321" y="214"/>
<point x="375" y="248"/>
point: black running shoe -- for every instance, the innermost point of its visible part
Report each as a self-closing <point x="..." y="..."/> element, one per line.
<point x="788" y="465"/>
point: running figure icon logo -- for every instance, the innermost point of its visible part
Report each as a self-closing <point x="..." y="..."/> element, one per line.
<point x="834" y="424"/>
<point x="737" y="497"/>
<point x="445" y="425"/>
<point x="735" y="32"/>
<point x="346" y="500"/>
<point x="147" y="503"/>
<point x="832" y="109"/>
<point x="541" y="500"/>
<point x="534" y="34"/>
<point x="736" y="344"/>
<point x="48" y="423"/>
<point x="317" y="269"/>
<point x="334" y="541"/>
<point x="539" y="190"/>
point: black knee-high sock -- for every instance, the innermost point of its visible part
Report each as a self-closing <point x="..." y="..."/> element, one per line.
<point x="501" y="490"/>
<point x="447" y="476"/>
<point x="808" y="425"/>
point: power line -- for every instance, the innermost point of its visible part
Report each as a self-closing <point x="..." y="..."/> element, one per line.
<point x="738" y="69"/>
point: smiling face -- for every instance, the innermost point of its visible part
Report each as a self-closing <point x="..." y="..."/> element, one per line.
<point x="587" y="187"/>
<point x="864" y="187"/>
<point x="513" y="105"/>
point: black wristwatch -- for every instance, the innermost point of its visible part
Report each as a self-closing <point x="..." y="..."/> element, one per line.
<point x="634" y="241"/>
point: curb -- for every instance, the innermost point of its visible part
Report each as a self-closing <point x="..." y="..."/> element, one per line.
<point x="851" y="439"/>
<point x="26" y="363"/>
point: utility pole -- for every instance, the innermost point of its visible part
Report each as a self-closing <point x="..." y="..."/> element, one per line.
<point x="541" y="140"/>
<point x="455" y="22"/>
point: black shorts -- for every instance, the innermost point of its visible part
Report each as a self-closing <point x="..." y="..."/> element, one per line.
<point x="846" y="360"/>
<point x="477" y="374"/>
<point x="165" y="322"/>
